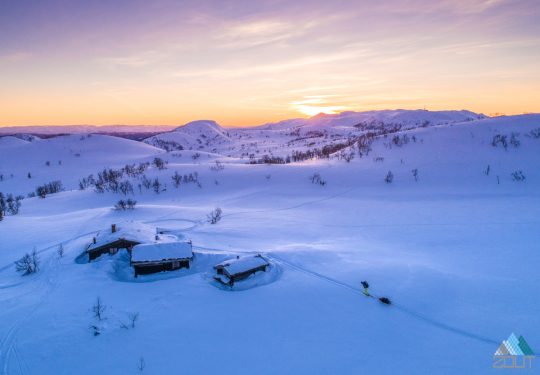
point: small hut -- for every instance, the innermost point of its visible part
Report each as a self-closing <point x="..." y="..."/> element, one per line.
<point x="124" y="236"/>
<point x="240" y="268"/>
<point x="157" y="257"/>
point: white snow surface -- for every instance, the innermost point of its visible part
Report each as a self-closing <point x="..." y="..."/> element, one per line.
<point x="161" y="251"/>
<point x="243" y="264"/>
<point x="455" y="250"/>
<point x="129" y="230"/>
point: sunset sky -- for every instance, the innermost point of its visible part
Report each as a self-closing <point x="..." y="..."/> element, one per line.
<point x="250" y="62"/>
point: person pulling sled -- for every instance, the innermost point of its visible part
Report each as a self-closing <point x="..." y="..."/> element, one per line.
<point x="365" y="284"/>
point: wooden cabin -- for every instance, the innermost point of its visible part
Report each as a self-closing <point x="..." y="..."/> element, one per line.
<point x="239" y="268"/>
<point x="110" y="248"/>
<point x="125" y="236"/>
<point x="158" y="257"/>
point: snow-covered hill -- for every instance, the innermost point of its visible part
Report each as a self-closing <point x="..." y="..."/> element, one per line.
<point x="452" y="240"/>
<point x="66" y="158"/>
<point x="407" y="118"/>
<point x="202" y="134"/>
<point x="275" y="138"/>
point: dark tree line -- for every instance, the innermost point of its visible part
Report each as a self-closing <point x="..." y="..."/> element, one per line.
<point x="52" y="187"/>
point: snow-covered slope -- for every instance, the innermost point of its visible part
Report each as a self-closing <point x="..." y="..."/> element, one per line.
<point x="274" y="139"/>
<point x="202" y="134"/>
<point x="66" y="158"/>
<point x="455" y="250"/>
<point x="407" y="118"/>
<point x="10" y="141"/>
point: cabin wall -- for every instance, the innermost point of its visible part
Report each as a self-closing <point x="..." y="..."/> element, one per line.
<point x="246" y="274"/>
<point x="149" y="268"/>
<point x="108" y="248"/>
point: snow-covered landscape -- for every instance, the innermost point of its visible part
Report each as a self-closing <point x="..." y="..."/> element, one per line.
<point x="438" y="211"/>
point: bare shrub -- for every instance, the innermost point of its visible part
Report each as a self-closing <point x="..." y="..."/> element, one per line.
<point x="215" y="216"/>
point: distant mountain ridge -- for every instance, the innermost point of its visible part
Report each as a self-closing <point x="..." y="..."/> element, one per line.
<point x="403" y="117"/>
<point x="83" y="129"/>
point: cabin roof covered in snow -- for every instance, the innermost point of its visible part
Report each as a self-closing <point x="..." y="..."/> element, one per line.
<point x="161" y="251"/>
<point x="130" y="231"/>
<point x="242" y="264"/>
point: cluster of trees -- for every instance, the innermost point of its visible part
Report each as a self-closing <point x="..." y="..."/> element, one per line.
<point x="269" y="159"/>
<point x="9" y="204"/>
<point x="49" y="188"/>
<point x="518" y="176"/>
<point x="167" y="145"/>
<point x="135" y="170"/>
<point x="364" y="143"/>
<point x="347" y="156"/>
<point x="317" y="179"/>
<point x="109" y="180"/>
<point x="218" y="166"/>
<point x="178" y="179"/>
<point x="399" y="141"/>
<point x="123" y="205"/>
<point x="215" y="216"/>
<point x="380" y="127"/>
<point x="535" y="133"/>
<point x="504" y="140"/>
<point x="159" y="163"/>
<point x="112" y="179"/>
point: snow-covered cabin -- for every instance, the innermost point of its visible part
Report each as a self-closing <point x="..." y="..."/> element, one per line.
<point x="157" y="257"/>
<point x="124" y="236"/>
<point x="239" y="268"/>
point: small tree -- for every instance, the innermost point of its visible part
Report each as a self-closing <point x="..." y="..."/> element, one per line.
<point x="120" y="205"/>
<point x="156" y="185"/>
<point x="60" y="251"/>
<point x="389" y="177"/>
<point x="130" y="203"/>
<point x="133" y="317"/>
<point x="2" y="203"/>
<point x="177" y="179"/>
<point x="141" y="364"/>
<point x="415" y="174"/>
<point x="317" y="179"/>
<point x="28" y="264"/>
<point x="218" y="166"/>
<point x="518" y="176"/>
<point x="214" y="216"/>
<point x="99" y="309"/>
<point x="159" y="163"/>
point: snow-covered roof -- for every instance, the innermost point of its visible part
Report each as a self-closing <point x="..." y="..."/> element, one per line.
<point x="161" y="251"/>
<point x="242" y="264"/>
<point x="130" y="231"/>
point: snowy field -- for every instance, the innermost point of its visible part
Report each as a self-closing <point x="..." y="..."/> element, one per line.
<point x="457" y="251"/>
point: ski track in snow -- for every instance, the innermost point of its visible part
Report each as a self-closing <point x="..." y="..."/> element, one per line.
<point x="8" y="347"/>
<point x="401" y="308"/>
